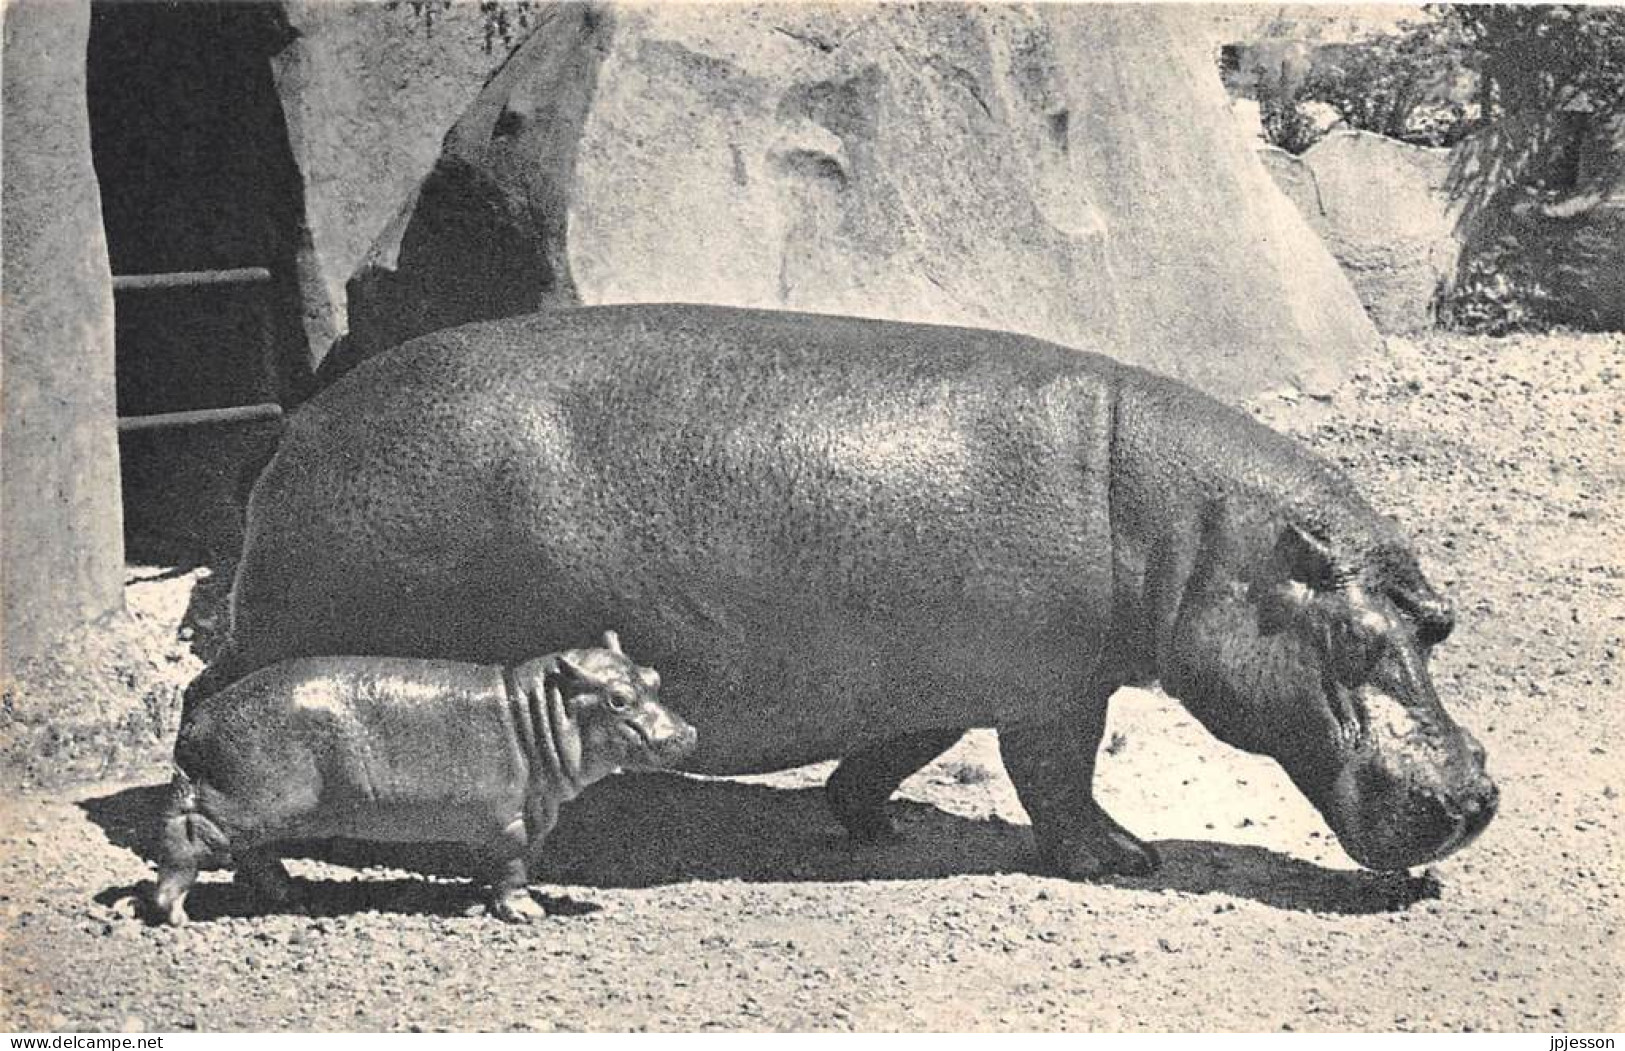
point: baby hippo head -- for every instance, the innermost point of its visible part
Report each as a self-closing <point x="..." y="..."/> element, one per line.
<point x="614" y="706"/>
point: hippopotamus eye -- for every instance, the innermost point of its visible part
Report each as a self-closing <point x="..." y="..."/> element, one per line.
<point x="1433" y="617"/>
<point x="617" y="701"/>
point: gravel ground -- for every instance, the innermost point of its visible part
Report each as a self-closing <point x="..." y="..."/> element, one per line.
<point x="687" y="904"/>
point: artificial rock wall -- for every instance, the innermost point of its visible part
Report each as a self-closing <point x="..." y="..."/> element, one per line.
<point x="368" y="90"/>
<point x="61" y="549"/>
<point x="1066" y="171"/>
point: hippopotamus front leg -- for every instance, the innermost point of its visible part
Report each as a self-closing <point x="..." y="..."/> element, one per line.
<point x="263" y="872"/>
<point x="510" y="879"/>
<point x="865" y="780"/>
<point x="1052" y="765"/>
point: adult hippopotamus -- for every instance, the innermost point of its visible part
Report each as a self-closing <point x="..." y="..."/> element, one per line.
<point x="855" y="539"/>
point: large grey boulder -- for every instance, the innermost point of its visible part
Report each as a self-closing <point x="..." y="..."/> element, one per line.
<point x="1070" y="172"/>
<point x="1383" y="210"/>
<point x="61" y="542"/>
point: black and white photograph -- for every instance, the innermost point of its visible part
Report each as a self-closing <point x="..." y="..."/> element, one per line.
<point x="775" y="516"/>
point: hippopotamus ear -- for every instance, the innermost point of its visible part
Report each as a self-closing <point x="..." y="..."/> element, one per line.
<point x="1299" y="568"/>
<point x="612" y="642"/>
<point x="570" y="671"/>
<point x="1304" y="557"/>
<point x="649" y="678"/>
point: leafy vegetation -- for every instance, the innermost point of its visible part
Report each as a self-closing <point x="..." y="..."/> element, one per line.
<point x="1410" y="84"/>
<point x="1531" y="98"/>
<point x="1551" y="89"/>
<point x="1459" y="72"/>
<point x="1404" y="85"/>
<point x="1546" y="77"/>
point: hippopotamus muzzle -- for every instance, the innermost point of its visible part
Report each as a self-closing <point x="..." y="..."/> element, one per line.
<point x="1392" y="808"/>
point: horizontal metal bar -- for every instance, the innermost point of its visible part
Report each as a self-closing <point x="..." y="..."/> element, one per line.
<point x="243" y="275"/>
<point x="201" y="417"/>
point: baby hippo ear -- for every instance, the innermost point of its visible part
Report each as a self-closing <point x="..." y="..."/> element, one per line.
<point x="612" y="642"/>
<point x="649" y="678"/>
<point x="570" y="671"/>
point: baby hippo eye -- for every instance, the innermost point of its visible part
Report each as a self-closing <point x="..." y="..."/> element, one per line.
<point x="618" y="702"/>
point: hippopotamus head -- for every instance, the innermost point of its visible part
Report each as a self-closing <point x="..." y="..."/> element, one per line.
<point x="615" y="707"/>
<point x="1321" y="662"/>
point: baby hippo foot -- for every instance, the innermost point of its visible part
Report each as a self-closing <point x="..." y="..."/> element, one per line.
<point x="168" y="901"/>
<point x="510" y="880"/>
<point x="175" y="915"/>
<point x="1094" y="849"/>
<point x="515" y="905"/>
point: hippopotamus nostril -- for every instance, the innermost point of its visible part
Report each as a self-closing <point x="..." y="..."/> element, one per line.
<point x="1478" y="808"/>
<point x="683" y="741"/>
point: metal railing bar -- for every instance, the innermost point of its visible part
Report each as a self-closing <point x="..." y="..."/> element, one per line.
<point x="242" y="275"/>
<point x="201" y="417"/>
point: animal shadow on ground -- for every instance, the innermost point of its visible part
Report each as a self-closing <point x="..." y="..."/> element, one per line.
<point x="130" y="819"/>
<point x="657" y="829"/>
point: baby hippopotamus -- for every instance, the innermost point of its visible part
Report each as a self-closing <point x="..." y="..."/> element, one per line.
<point x="391" y="749"/>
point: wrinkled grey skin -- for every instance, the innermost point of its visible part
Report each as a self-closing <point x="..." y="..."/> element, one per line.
<point x="397" y="749"/>
<point x="855" y="539"/>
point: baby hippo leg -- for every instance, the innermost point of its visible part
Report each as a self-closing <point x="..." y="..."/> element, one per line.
<point x="180" y="855"/>
<point x="510" y="882"/>
<point x="187" y="838"/>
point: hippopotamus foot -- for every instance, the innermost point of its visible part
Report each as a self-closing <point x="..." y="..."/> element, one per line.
<point x="1094" y="847"/>
<point x="168" y="904"/>
<point x="516" y="906"/>
<point x="860" y="786"/>
<point x="1052" y="766"/>
<point x="179" y="858"/>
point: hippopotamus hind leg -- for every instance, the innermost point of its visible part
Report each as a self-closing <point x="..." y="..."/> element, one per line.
<point x="181" y="853"/>
<point x="860" y="786"/>
<point x="187" y="838"/>
<point x="1052" y="766"/>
